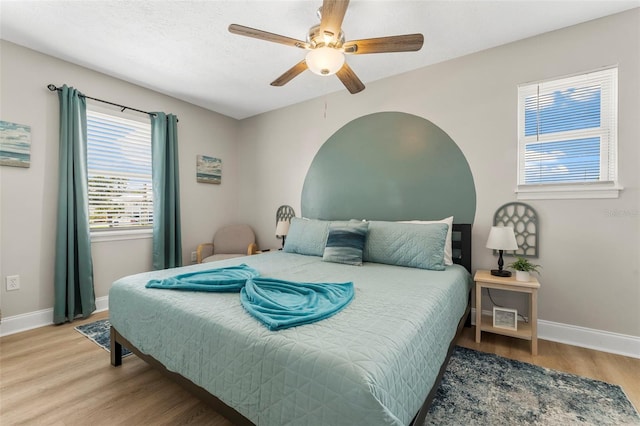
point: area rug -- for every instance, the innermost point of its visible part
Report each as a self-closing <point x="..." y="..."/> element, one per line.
<point x="486" y="389"/>
<point x="99" y="333"/>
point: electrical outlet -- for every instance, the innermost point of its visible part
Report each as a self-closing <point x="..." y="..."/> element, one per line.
<point x="194" y="256"/>
<point x="13" y="282"/>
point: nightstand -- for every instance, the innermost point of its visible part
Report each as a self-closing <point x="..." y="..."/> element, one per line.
<point x="528" y="331"/>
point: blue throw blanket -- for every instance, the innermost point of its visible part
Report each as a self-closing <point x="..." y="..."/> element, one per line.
<point x="278" y="304"/>
<point x="282" y="304"/>
<point x="229" y="279"/>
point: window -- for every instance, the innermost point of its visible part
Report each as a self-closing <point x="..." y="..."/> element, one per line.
<point x="119" y="172"/>
<point x="567" y="137"/>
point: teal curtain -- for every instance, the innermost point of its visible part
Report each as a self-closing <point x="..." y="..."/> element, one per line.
<point x="167" y="242"/>
<point x="73" y="278"/>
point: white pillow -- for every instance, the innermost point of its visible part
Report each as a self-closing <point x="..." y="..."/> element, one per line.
<point x="448" y="251"/>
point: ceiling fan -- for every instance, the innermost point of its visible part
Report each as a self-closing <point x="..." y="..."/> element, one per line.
<point x="326" y="46"/>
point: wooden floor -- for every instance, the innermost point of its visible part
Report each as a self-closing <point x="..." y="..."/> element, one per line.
<point x="55" y="376"/>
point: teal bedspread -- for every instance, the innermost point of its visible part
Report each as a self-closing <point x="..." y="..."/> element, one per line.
<point x="281" y="304"/>
<point x="372" y="363"/>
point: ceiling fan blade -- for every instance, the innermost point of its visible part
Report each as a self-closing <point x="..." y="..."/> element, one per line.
<point x="264" y="35"/>
<point x="400" y="43"/>
<point x="350" y="79"/>
<point x="290" y="74"/>
<point x="333" y="12"/>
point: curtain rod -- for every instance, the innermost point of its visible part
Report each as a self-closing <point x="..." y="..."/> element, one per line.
<point x="53" y="88"/>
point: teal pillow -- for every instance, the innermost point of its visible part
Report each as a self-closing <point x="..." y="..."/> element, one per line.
<point x="307" y="236"/>
<point x="404" y="244"/>
<point x="345" y="242"/>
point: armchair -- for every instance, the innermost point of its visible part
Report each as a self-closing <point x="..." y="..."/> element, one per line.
<point x="228" y="242"/>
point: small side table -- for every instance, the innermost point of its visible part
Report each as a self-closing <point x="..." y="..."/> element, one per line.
<point x="528" y="331"/>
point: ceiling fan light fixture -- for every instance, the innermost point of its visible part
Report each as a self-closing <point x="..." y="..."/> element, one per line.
<point x="324" y="60"/>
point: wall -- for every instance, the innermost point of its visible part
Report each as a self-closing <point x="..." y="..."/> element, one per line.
<point x="28" y="197"/>
<point x="589" y="249"/>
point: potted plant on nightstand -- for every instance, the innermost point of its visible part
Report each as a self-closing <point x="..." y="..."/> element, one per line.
<point x="524" y="268"/>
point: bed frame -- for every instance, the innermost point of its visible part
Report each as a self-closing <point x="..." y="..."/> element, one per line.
<point x="461" y="241"/>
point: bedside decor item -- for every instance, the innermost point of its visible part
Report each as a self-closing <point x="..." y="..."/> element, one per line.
<point x="523" y="269"/>
<point x="15" y="144"/>
<point x="284" y="214"/>
<point x="282" y="229"/>
<point x="524" y="221"/>
<point x="208" y="169"/>
<point x="501" y="238"/>
<point x="505" y="318"/>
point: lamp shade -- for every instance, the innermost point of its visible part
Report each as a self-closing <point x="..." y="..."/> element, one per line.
<point x="324" y="60"/>
<point x="282" y="228"/>
<point x="502" y="238"/>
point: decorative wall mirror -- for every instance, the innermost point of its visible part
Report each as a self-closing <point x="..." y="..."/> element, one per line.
<point x="524" y="221"/>
<point x="283" y="220"/>
<point x="285" y="213"/>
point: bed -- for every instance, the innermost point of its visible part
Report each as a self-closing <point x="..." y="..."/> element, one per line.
<point x="376" y="362"/>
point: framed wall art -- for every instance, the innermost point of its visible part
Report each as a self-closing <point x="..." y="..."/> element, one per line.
<point x="208" y="169"/>
<point x="15" y="144"/>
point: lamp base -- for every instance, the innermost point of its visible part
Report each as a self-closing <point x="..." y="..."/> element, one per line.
<point x="500" y="273"/>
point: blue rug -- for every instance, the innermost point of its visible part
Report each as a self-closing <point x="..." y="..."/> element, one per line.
<point x="486" y="389"/>
<point x="98" y="332"/>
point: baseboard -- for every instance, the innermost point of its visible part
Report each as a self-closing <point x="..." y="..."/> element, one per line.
<point x="605" y="341"/>
<point x="44" y="317"/>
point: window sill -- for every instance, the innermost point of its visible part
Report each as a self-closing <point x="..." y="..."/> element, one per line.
<point x="569" y="192"/>
<point x="121" y="235"/>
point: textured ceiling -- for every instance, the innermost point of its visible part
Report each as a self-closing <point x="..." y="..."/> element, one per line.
<point x="183" y="49"/>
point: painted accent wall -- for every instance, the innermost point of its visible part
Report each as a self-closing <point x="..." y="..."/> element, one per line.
<point x="389" y="166"/>
<point x="589" y="249"/>
<point x="28" y="197"/>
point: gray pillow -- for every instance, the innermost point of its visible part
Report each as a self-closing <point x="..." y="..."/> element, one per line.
<point x="404" y="244"/>
<point x="307" y="236"/>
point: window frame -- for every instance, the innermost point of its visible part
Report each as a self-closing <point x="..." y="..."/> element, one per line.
<point x="607" y="186"/>
<point x="118" y="233"/>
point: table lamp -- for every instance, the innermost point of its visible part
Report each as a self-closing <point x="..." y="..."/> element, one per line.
<point x="501" y="238"/>
<point x="282" y="228"/>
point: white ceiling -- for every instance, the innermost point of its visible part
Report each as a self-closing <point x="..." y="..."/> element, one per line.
<point x="182" y="47"/>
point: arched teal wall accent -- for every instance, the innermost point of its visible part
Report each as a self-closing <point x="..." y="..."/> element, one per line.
<point x="389" y="166"/>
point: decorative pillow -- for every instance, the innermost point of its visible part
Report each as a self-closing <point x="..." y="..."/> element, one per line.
<point x="345" y="242"/>
<point x="405" y="244"/>
<point x="307" y="236"/>
<point x="448" y="250"/>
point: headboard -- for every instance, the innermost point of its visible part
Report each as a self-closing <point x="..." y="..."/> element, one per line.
<point x="392" y="166"/>
<point x="461" y="243"/>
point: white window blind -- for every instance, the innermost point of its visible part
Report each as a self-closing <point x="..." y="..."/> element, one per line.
<point x="567" y="130"/>
<point x="119" y="171"/>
